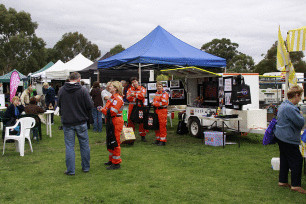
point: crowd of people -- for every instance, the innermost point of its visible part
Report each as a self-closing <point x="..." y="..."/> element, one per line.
<point x="27" y="103"/>
<point x="77" y="105"/>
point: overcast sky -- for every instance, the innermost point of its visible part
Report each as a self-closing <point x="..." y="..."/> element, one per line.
<point x="253" y="24"/>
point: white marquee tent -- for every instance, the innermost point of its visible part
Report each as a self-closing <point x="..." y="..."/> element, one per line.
<point x="58" y="65"/>
<point x="62" y="72"/>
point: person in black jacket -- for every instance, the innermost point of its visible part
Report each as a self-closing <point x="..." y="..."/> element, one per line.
<point x="49" y="98"/>
<point x="97" y="99"/>
<point x="75" y="104"/>
<point x="12" y="113"/>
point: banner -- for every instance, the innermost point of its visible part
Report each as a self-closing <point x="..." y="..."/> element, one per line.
<point x="14" y="81"/>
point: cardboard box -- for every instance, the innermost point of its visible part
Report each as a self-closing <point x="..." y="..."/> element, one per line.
<point x="127" y="135"/>
<point x="214" y="138"/>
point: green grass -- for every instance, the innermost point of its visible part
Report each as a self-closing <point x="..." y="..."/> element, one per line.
<point x="184" y="171"/>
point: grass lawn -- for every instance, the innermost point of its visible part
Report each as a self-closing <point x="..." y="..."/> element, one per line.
<point x="184" y="171"/>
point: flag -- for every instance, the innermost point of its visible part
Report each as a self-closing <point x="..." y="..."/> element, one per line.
<point x="282" y="54"/>
<point x="283" y="60"/>
<point x="14" y="81"/>
<point x="296" y="39"/>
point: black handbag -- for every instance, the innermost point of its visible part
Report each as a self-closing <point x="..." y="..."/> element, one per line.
<point x="181" y="126"/>
<point x="138" y="112"/>
<point x="111" y="141"/>
<point x="150" y="121"/>
<point x="241" y="94"/>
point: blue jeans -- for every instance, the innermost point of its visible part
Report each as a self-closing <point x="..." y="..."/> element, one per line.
<point x="82" y="134"/>
<point x="97" y="117"/>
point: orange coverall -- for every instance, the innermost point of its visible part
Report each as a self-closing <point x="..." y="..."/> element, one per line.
<point x="115" y="104"/>
<point x="160" y="102"/>
<point x="140" y="94"/>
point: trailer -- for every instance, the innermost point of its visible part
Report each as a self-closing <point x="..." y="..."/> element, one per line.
<point x="250" y="119"/>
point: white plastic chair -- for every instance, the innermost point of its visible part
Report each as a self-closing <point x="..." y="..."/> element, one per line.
<point x="26" y="124"/>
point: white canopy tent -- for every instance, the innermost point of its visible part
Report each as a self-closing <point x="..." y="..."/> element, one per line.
<point x="57" y="66"/>
<point x="78" y="63"/>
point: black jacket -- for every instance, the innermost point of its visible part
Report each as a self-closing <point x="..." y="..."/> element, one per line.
<point x="74" y="103"/>
<point x="10" y="114"/>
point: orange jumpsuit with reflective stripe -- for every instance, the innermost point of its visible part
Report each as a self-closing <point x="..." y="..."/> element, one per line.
<point x="115" y="104"/>
<point x="160" y="102"/>
<point x="140" y="94"/>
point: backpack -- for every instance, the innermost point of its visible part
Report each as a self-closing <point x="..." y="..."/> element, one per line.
<point x="269" y="137"/>
<point x="181" y="126"/>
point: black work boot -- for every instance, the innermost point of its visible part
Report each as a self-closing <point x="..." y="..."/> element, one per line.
<point x="161" y="144"/>
<point x="113" y="167"/>
<point x="143" y="139"/>
<point x="156" y="142"/>
<point x="108" y="163"/>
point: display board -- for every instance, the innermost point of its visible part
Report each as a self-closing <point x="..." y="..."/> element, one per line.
<point x="235" y="92"/>
<point x="230" y="92"/>
<point x="175" y="89"/>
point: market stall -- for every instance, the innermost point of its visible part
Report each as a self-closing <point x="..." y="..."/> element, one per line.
<point x="225" y="95"/>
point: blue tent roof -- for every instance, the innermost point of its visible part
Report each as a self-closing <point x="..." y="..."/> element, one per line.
<point x="161" y="47"/>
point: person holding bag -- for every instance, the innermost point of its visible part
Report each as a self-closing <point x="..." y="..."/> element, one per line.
<point x="288" y="135"/>
<point x="160" y="102"/>
<point x="136" y="92"/>
<point x="114" y="106"/>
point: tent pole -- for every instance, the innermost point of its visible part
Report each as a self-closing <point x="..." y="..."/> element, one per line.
<point x="286" y="82"/>
<point x="98" y="76"/>
<point x="139" y="73"/>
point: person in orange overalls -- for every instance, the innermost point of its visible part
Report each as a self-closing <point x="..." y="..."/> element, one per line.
<point x="136" y="92"/>
<point x="160" y="103"/>
<point x="115" y="104"/>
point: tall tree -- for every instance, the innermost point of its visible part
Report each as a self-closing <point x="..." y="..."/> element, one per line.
<point x="235" y="60"/>
<point x="268" y="64"/>
<point x="20" y="48"/>
<point x="72" y="44"/>
<point x="117" y="49"/>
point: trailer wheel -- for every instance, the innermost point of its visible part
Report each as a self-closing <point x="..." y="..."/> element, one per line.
<point x="195" y="128"/>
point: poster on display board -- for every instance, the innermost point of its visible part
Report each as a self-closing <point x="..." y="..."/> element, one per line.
<point x="175" y="84"/>
<point x="169" y="86"/>
<point x="151" y="86"/>
<point x="177" y="94"/>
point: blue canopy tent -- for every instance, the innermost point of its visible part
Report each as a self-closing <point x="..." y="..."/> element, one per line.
<point x="160" y="47"/>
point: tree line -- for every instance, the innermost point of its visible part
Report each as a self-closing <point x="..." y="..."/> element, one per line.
<point x="21" y="49"/>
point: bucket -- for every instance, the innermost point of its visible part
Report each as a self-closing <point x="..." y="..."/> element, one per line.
<point x="275" y="163"/>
